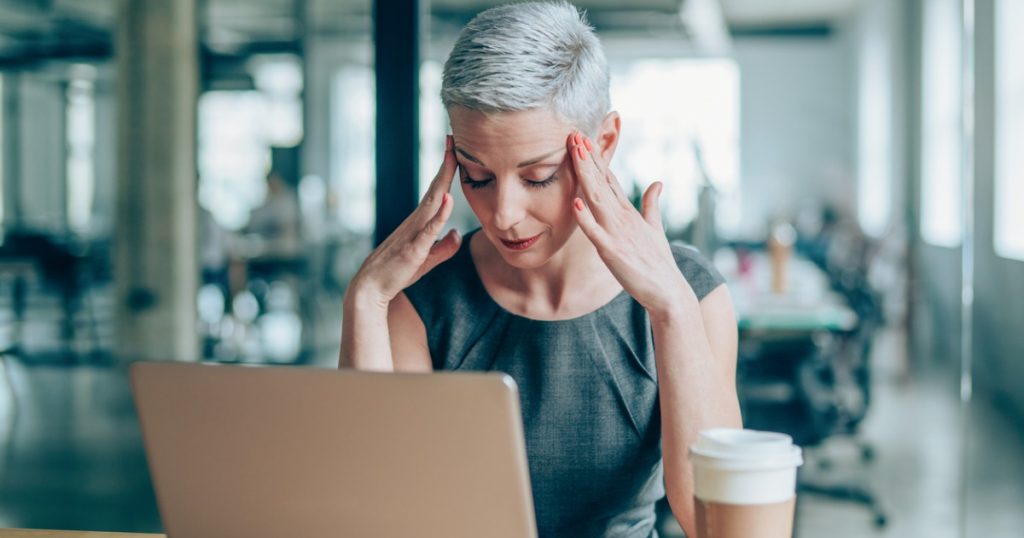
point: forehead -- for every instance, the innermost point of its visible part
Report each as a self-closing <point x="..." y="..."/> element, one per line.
<point x="507" y="136"/>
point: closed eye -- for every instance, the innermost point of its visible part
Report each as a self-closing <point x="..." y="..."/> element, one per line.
<point x="532" y="183"/>
<point x="474" y="183"/>
<point x="540" y="184"/>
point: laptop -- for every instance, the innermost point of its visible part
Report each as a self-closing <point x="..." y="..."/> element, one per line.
<point x="281" y="451"/>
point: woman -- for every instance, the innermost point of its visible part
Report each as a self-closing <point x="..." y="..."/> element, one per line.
<point x="623" y="346"/>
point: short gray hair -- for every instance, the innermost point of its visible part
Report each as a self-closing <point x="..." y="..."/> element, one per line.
<point x="526" y="56"/>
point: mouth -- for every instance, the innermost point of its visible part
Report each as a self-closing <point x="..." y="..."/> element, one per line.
<point x="521" y="245"/>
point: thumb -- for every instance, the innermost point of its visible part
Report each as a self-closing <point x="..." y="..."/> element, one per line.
<point x="442" y="250"/>
<point x="442" y="182"/>
<point x="650" y="208"/>
<point x="448" y="165"/>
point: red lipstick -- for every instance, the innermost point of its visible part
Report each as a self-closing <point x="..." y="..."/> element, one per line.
<point x="521" y="245"/>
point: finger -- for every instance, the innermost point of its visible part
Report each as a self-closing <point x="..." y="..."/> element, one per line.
<point x="604" y="172"/>
<point x="594" y="190"/>
<point x="443" y="250"/>
<point x="650" y="208"/>
<point x="428" y="234"/>
<point x="588" y="223"/>
<point x="442" y="182"/>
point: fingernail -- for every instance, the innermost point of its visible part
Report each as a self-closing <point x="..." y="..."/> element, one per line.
<point x="448" y="143"/>
<point x="576" y="138"/>
<point x="586" y="142"/>
<point x="581" y="153"/>
<point x="579" y="204"/>
<point x="444" y="198"/>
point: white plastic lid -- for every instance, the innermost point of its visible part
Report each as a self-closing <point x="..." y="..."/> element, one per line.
<point x="739" y="450"/>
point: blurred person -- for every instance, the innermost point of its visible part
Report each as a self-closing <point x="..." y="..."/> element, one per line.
<point x="622" y="345"/>
<point x="276" y="222"/>
<point x="269" y="255"/>
<point x="272" y="249"/>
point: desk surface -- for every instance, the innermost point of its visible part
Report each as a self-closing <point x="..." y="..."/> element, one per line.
<point x="808" y="305"/>
<point x="24" y="533"/>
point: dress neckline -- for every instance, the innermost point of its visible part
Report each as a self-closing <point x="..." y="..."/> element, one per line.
<point x="478" y="282"/>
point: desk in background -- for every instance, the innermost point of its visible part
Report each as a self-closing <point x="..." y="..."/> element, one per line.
<point x="800" y="367"/>
<point x="807" y="306"/>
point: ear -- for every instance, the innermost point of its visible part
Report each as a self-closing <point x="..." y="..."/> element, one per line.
<point x="608" y="135"/>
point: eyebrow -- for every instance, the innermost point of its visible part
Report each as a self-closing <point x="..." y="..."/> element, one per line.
<point x="525" y="163"/>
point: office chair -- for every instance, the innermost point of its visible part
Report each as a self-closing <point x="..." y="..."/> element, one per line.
<point x="812" y="386"/>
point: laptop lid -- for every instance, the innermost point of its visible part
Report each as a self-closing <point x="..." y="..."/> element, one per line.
<point x="279" y="451"/>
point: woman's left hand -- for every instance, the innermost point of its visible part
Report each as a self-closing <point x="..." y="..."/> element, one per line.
<point x="631" y="243"/>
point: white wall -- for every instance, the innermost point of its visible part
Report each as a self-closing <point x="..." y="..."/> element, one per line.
<point x="796" y="124"/>
<point x="879" y="35"/>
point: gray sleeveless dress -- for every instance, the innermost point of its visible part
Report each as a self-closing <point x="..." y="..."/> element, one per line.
<point x="588" y="388"/>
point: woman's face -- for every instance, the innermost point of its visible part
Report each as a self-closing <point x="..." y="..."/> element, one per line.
<point x="516" y="175"/>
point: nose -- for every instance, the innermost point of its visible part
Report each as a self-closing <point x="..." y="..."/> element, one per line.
<point x="510" y="205"/>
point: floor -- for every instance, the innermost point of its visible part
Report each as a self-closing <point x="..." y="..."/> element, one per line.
<point x="71" y="457"/>
<point x="72" y="454"/>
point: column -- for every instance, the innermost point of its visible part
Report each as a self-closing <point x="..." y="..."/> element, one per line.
<point x="156" y="264"/>
<point x="396" y="41"/>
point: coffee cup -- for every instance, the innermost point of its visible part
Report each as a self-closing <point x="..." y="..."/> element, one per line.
<point x="744" y="483"/>
<point x="780" y="250"/>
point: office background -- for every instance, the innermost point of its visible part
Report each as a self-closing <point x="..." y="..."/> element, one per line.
<point x="198" y="179"/>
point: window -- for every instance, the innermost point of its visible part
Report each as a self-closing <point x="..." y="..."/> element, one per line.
<point x="237" y="130"/>
<point x="1009" y="180"/>
<point x="680" y="126"/>
<point x="234" y="156"/>
<point x="941" y="128"/>
<point x="433" y="123"/>
<point x="874" y="184"/>
<point x="81" y="140"/>
<point x="353" y="167"/>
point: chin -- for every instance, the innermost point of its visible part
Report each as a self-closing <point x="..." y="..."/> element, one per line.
<point x="531" y="260"/>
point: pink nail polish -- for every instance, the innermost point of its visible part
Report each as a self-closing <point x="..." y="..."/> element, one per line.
<point x="586" y="142"/>
<point x="581" y="153"/>
<point x="579" y="204"/>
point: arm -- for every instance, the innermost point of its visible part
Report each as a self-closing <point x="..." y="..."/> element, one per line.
<point x="364" y="332"/>
<point x="695" y="341"/>
<point x="388" y="338"/>
<point x="378" y="322"/>
<point x="695" y="351"/>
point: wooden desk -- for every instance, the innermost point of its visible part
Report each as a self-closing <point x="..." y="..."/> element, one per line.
<point x="24" y="533"/>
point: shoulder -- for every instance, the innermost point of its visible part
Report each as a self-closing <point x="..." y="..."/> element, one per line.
<point x="697" y="269"/>
<point x="453" y="306"/>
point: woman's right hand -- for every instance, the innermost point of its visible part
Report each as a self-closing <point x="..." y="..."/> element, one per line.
<point x="411" y="250"/>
